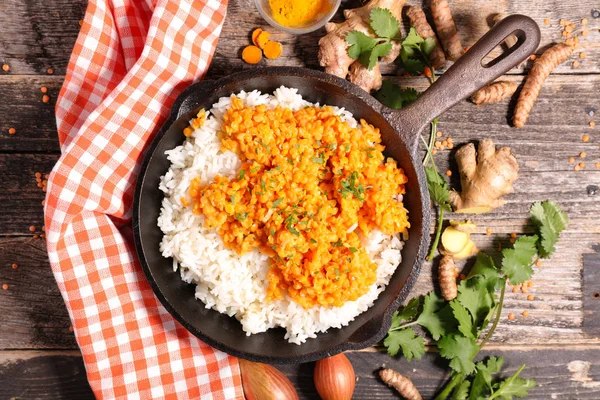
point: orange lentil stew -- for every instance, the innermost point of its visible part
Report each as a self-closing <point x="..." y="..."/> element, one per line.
<point x="309" y="188"/>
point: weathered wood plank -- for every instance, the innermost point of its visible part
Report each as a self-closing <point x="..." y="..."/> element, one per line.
<point x="21" y="191"/>
<point x="33" y="119"/>
<point x="471" y="16"/>
<point x="32" y="309"/>
<point x="43" y="375"/>
<point x="591" y="293"/>
<point x="560" y="374"/>
<point x="37" y="35"/>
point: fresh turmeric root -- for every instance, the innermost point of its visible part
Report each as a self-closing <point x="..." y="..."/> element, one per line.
<point x="272" y="50"/>
<point x="419" y="22"/>
<point x="402" y="384"/>
<point x="485" y="177"/>
<point x="447" y="278"/>
<point x="251" y="54"/>
<point x="361" y="76"/>
<point x="333" y="48"/>
<point x="446" y="29"/>
<point x="494" y="93"/>
<point x="541" y="69"/>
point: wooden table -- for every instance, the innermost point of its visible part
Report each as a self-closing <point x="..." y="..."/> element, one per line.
<point x="559" y="341"/>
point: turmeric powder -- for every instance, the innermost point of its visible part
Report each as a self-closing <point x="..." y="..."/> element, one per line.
<point x="297" y="12"/>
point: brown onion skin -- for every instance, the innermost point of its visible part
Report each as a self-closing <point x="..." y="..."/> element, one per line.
<point x="334" y="378"/>
<point x="264" y="382"/>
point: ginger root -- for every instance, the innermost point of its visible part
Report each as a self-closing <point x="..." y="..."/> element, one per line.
<point x="333" y="48"/>
<point x="402" y="384"/>
<point x="541" y="69"/>
<point x="419" y="22"/>
<point x="453" y="240"/>
<point x="485" y="176"/>
<point x="464" y="226"/>
<point x="447" y="278"/>
<point x="446" y="29"/>
<point x="494" y="92"/>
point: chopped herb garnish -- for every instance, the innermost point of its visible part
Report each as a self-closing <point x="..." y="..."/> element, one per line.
<point x="318" y="160"/>
<point x="242" y="174"/>
<point x="292" y="230"/>
<point x="338" y="243"/>
<point x="333" y="146"/>
<point x="255" y="169"/>
<point x="337" y="272"/>
<point x="241" y="216"/>
<point x="353" y="249"/>
<point x="319" y="143"/>
<point x="353" y="186"/>
<point x="277" y="202"/>
<point x="290" y="160"/>
<point x="266" y="146"/>
<point x="262" y="185"/>
<point x="232" y="197"/>
<point x="313" y="240"/>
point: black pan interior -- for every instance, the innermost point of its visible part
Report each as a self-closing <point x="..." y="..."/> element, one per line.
<point x="221" y="331"/>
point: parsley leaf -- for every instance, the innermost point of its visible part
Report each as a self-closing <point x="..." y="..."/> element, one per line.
<point x="436" y="316"/>
<point x="359" y="43"/>
<point x="393" y="96"/>
<point x="516" y="262"/>
<point x="465" y="322"/>
<point x="412" y="345"/>
<point x="438" y="188"/>
<point x="550" y="220"/>
<point x="460" y="350"/>
<point x="383" y="23"/>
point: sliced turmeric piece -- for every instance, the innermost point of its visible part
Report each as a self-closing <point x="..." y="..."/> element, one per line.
<point x="251" y="54"/>
<point x="255" y="34"/>
<point x="272" y="49"/>
<point x="262" y="39"/>
<point x="541" y="69"/>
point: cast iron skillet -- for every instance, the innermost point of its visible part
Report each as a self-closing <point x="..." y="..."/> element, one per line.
<point x="399" y="130"/>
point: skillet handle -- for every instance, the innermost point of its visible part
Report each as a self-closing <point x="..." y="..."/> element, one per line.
<point x="468" y="75"/>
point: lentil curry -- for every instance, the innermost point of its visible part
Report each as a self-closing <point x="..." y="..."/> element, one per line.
<point x="310" y="187"/>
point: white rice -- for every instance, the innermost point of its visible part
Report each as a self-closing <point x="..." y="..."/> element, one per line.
<point x="234" y="284"/>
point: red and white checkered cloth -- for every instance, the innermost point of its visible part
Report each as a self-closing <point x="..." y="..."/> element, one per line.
<point x="131" y="59"/>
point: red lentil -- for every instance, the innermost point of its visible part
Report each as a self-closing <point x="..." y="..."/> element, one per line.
<point x="15" y="266"/>
<point x="32" y="228"/>
<point x="44" y="89"/>
<point x="511" y="317"/>
<point x="5" y="67"/>
<point x="448" y="172"/>
<point x="525" y="313"/>
<point x="12" y="131"/>
<point x="571" y="160"/>
<point x="45" y="98"/>
<point x="585" y="138"/>
<point x="530" y="297"/>
<point x="50" y="71"/>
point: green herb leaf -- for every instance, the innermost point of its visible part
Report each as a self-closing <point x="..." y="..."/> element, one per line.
<point x="436" y="316"/>
<point x="394" y="96"/>
<point x="428" y="45"/>
<point x="241" y="216"/>
<point x="292" y="230"/>
<point x="370" y="58"/>
<point x="411" y="344"/>
<point x="351" y="185"/>
<point x="353" y="249"/>
<point x="438" y="188"/>
<point x="412" y="39"/>
<point x="513" y="386"/>
<point x="460" y="351"/>
<point x="414" y="67"/>
<point x="476" y="296"/>
<point x="277" y="202"/>
<point x="232" y="198"/>
<point x="465" y="322"/>
<point x="516" y="262"/>
<point x="408" y="312"/>
<point x="383" y="23"/>
<point x="550" y="220"/>
<point x="482" y="383"/>
<point x="242" y="174"/>
<point x="461" y="391"/>
<point x="318" y="160"/>
<point x="359" y="43"/>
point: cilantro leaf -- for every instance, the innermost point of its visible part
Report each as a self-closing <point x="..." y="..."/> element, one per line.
<point x="550" y="220"/>
<point x="513" y="386"/>
<point x="413" y="67"/>
<point x="476" y="296"/>
<point x="411" y="344"/>
<point x="484" y="267"/>
<point x="482" y="383"/>
<point x="409" y="311"/>
<point x="370" y="58"/>
<point x="428" y="45"/>
<point x="393" y="96"/>
<point x="436" y="316"/>
<point x="359" y="43"/>
<point x="383" y="23"/>
<point x="438" y="188"/>
<point x="516" y="262"/>
<point x="460" y="350"/>
<point x="412" y="39"/>
<point x="461" y="391"/>
<point x="465" y="323"/>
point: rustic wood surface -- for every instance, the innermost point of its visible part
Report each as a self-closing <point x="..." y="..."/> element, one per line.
<point x="559" y="341"/>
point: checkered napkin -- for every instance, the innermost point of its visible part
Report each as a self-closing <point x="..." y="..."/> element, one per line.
<point x="131" y="59"/>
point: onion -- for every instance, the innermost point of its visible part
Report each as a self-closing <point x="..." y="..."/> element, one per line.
<point x="334" y="378"/>
<point x="264" y="382"/>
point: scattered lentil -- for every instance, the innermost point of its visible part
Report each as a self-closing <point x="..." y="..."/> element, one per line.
<point x="533" y="57"/>
<point x="525" y="313"/>
<point x="50" y="71"/>
<point x="546" y="21"/>
<point x="524" y="289"/>
<point x="513" y="235"/>
<point x="515" y="289"/>
<point x="438" y="134"/>
<point x="5" y="67"/>
<point x="585" y="138"/>
<point x="511" y="317"/>
<point x="597" y="165"/>
<point x="12" y="131"/>
<point x="36" y="236"/>
<point x="583" y="154"/>
<point x="530" y="297"/>
<point x="15" y="266"/>
<point x="463" y="277"/>
<point x="583" y="54"/>
<point x="488" y="231"/>
<point x="538" y="263"/>
<point x="71" y="328"/>
<point x="581" y="165"/>
<point x="38" y="175"/>
<point x="433" y="151"/>
<point x="571" y="160"/>
<point x="45" y="98"/>
<point x="592" y="124"/>
<point x="529" y="284"/>
<point x="575" y="64"/>
<point x="32" y="228"/>
<point x="448" y="173"/>
<point x="44" y="89"/>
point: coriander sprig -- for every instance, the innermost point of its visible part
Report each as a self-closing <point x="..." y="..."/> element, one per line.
<point x="457" y="326"/>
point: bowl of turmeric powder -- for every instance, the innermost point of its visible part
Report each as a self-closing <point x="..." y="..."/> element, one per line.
<point x="297" y="16"/>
